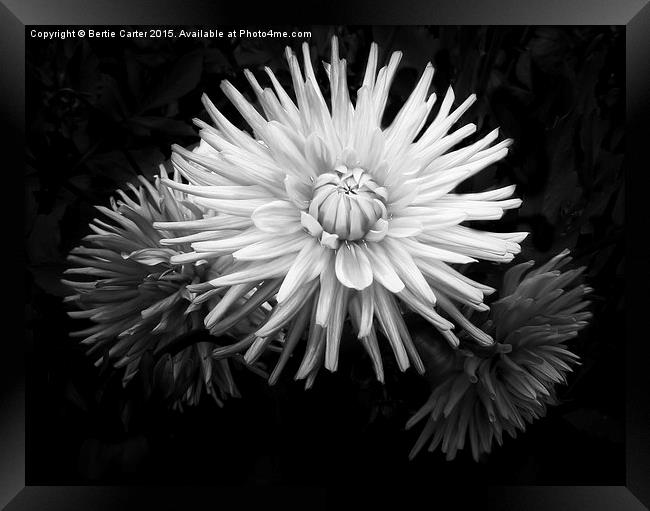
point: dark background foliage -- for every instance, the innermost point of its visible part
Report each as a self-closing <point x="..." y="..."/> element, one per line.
<point x="100" y="112"/>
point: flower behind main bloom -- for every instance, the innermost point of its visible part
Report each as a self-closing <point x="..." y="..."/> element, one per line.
<point x="338" y="217"/>
<point x="139" y="301"/>
<point x="504" y="386"/>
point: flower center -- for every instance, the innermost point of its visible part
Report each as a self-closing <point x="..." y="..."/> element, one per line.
<point x="347" y="202"/>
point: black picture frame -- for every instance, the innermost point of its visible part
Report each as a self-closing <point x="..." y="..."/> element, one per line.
<point x="15" y="15"/>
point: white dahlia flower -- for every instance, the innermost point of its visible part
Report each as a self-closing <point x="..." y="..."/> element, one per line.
<point x="504" y="386"/>
<point x="137" y="300"/>
<point x="338" y="217"/>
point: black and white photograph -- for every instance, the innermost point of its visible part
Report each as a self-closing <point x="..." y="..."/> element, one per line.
<point x="392" y="258"/>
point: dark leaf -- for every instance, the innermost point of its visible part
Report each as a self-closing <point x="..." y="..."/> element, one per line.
<point x="93" y="462"/>
<point x="48" y="278"/>
<point x="88" y="74"/>
<point x="146" y="161"/>
<point x="135" y="76"/>
<point x="73" y="395"/>
<point x="549" y="49"/>
<point x="127" y="411"/>
<point x="110" y="100"/>
<point x="132" y="453"/>
<point x="523" y="70"/>
<point x="112" y="166"/>
<point x="163" y="375"/>
<point x="165" y="125"/>
<point x="182" y="78"/>
<point x="146" y="372"/>
<point x="257" y="53"/>
<point x="417" y="44"/>
<point x="44" y="238"/>
<point x="215" y="62"/>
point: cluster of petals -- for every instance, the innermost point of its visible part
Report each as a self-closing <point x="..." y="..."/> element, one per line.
<point x="136" y="300"/>
<point x="510" y="384"/>
<point x="336" y="217"/>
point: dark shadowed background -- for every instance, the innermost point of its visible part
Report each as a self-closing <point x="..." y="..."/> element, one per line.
<point x="100" y="112"/>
